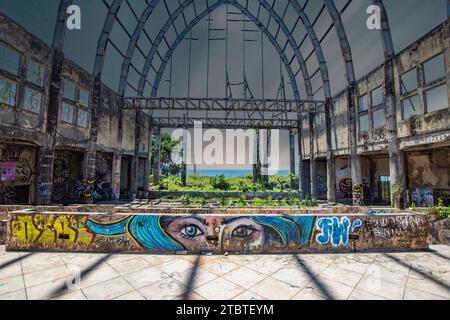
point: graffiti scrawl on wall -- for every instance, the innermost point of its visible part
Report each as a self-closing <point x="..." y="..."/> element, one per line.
<point x="18" y="174"/>
<point x="158" y="233"/>
<point x="210" y="233"/>
<point x="336" y="231"/>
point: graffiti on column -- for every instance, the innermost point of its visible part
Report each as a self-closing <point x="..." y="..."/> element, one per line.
<point x="357" y="195"/>
<point x="335" y="231"/>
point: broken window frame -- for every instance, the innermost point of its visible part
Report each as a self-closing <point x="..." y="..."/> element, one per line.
<point x="36" y="109"/>
<point x="19" y="61"/>
<point x="71" y="121"/>
<point x="403" y="87"/>
<point x="14" y="85"/>
<point x="79" y="106"/>
<point x="433" y="82"/>
<point x="83" y="124"/>
<point x="409" y="100"/>
<point x="425" y="98"/>
<point x="376" y="108"/>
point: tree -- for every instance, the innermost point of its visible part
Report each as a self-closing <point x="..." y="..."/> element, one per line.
<point x="168" y="166"/>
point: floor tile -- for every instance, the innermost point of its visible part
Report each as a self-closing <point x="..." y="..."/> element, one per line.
<point x="273" y="289"/>
<point x="219" y="289"/>
<point x="11" y="284"/>
<point x="108" y="290"/>
<point x="244" y="277"/>
<point x="220" y="266"/>
<point x="167" y="289"/>
<point x="144" y="277"/>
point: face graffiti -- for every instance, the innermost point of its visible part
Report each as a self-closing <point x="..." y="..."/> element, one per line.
<point x="198" y="233"/>
<point x="171" y="233"/>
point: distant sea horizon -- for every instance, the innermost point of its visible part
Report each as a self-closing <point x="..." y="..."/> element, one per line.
<point x="232" y="172"/>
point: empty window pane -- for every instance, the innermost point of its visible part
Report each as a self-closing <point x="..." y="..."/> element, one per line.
<point x="35" y="73"/>
<point x="437" y="98"/>
<point x="67" y="114"/>
<point x="33" y="100"/>
<point x="434" y="69"/>
<point x="9" y="60"/>
<point x="362" y="103"/>
<point x="409" y="81"/>
<point x="83" y="118"/>
<point x="378" y="118"/>
<point x="84" y="97"/>
<point x="363" y="123"/>
<point x="8" y="90"/>
<point x="410" y="107"/>
<point x="69" y="90"/>
<point x="377" y="96"/>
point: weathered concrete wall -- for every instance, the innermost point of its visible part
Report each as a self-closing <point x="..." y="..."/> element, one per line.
<point x="21" y="188"/>
<point x="439" y="232"/>
<point x="215" y="233"/>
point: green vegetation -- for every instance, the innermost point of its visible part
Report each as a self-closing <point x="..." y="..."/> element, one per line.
<point x="242" y="202"/>
<point x="440" y="211"/>
<point x="221" y="183"/>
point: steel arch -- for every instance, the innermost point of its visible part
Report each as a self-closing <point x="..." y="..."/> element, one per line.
<point x="386" y="35"/>
<point x="199" y="17"/>
<point x="104" y="37"/>
<point x="317" y="47"/>
<point x="163" y="30"/>
<point x="60" y="26"/>
<point x="132" y="45"/>
<point x="343" y="40"/>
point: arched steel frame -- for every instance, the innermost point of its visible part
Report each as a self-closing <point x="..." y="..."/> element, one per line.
<point x="183" y="34"/>
<point x="132" y="45"/>
<point x="386" y="37"/>
<point x="104" y="37"/>
<point x="159" y="37"/>
<point x="60" y="26"/>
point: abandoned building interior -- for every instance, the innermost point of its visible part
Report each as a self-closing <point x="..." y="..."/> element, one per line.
<point x="69" y="136"/>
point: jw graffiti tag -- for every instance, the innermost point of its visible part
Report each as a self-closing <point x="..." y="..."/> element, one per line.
<point x="335" y="231"/>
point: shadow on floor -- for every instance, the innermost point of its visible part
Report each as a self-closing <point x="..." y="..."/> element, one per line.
<point x="61" y="290"/>
<point x="6" y="264"/>
<point x="313" y="277"/>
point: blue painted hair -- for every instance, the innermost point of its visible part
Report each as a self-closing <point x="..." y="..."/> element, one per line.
<point x="292" y="229"/>
<point x="145" y="229"/>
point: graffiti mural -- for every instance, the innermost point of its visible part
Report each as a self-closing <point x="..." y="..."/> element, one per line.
<point x="358" y="195"/>
<point x="210" y="233"/>
<point x="18" y="174"/>
<point x="422" y="197"/>
<point x="336" y="231"/>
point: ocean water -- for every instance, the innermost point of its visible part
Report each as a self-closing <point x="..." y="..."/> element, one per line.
<point x="232" y="173"/>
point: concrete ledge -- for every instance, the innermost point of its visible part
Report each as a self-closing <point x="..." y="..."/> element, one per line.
<point x="216" y="233"/>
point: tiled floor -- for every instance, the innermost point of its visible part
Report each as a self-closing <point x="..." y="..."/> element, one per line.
<point x="415" y="275"/>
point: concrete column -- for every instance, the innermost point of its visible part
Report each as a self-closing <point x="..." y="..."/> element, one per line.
<point x="135" y="160"/>
<point x="357" y="186"/>
<point x="312" y="165"/>
<point x="157" y="157"/>
<point x="89" y="175"/>
<point x="396" y="171"/>
<point x="331" y="171"/>
<point x="257" y="165"/>
<point x="264" y="143"/>
<point x="46" y="157"/>
<point x="301" y="168"/>
<point x="184" y="158"/>
<point x="148" y="162"/>
<point x="47" y="153"/>
<point x="292" y="156"/>
<point x="116" y="164"/>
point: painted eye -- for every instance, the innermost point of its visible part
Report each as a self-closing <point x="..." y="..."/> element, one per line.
<point x="191" y="231"/>
<point x="242" y="231"/>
